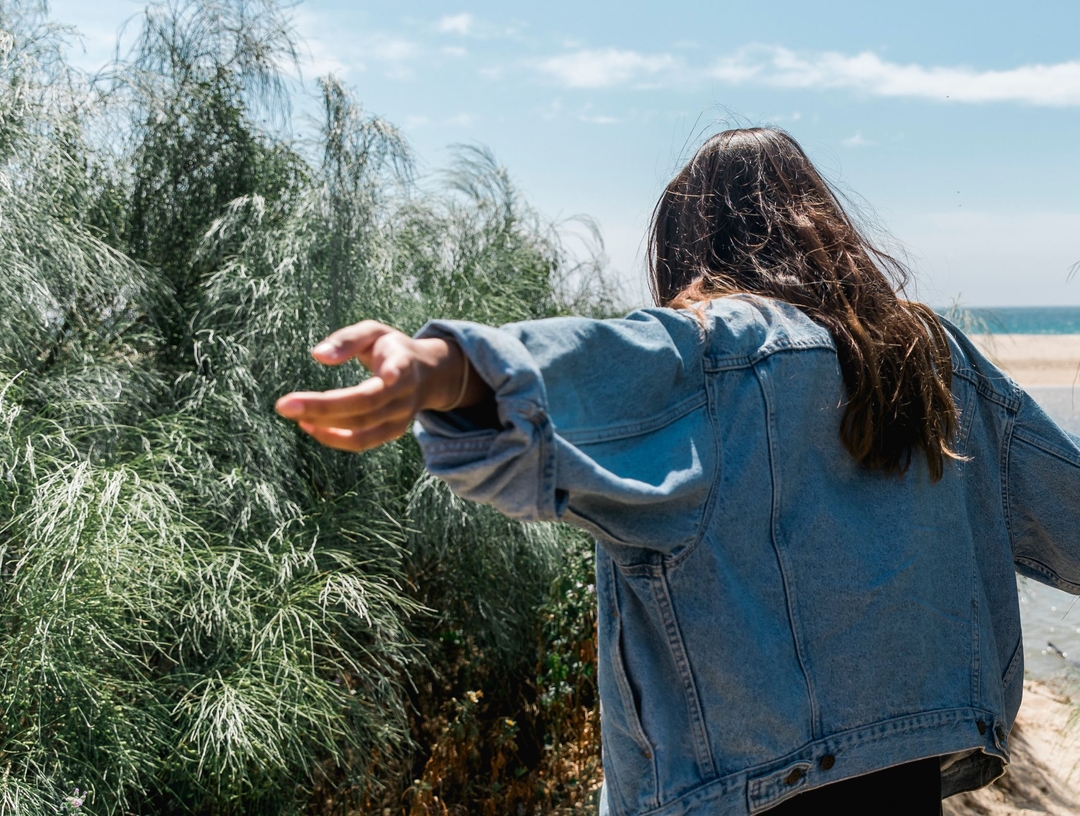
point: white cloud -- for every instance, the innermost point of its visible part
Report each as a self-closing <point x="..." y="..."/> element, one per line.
<point x="1056" y="85"/>
<point x="461" y="120"/>
<point x="551" y="111"/>
<point x="1050" y="85"/>
<point x="467" y="25"/>
<point x="392" y="50"/>
<point x="456" y="24"/>
<point x="319" y="59"/>
<point x="587" y="115"/>
<point x="397" y="55"/>
<point x="598" y="119"/>
<point x="858" y="140"/>
<point x="780" y="118"/>
<point x="455" y="51"/>
<point x="604" y="68"/>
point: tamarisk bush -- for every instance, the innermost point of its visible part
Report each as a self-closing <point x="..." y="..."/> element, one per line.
<point x="201" y="610"/>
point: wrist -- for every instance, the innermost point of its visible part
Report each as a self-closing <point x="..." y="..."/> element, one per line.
<point x="442" y="367"/>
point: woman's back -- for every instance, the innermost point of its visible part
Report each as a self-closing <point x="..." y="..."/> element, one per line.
<point x="774" y="615"/>
<point x="808" y="493"/>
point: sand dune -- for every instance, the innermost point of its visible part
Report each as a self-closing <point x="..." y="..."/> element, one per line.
<point x="1034" y="359"/>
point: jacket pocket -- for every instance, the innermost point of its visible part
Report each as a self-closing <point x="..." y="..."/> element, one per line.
<point x="628" y="755"/>
<point x="1017" y="662"/>
<point x="631" y="703"/>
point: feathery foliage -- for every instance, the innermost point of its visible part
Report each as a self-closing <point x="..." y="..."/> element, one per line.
<point x="201" y="610"/>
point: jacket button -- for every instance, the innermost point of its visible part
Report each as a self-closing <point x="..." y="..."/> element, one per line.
<point x="1000" y="733"/>
<point x="981" y="726"/>
<point x="794" y="776"/>
<point x="827" y="762"/>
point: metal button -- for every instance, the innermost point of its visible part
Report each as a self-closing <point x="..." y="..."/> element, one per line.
<point x="827" y="762"/>
<point x="981" y="726"/>
<point x="795" y="776"/>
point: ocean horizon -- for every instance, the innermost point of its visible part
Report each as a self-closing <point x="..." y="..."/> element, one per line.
<point x="1016" y="319"/>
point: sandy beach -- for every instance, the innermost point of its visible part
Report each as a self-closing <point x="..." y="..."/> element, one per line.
<point x="1044" y="773"/>
<point x="1034" y="359"/>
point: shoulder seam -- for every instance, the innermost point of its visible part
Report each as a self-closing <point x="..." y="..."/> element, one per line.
<point x="713" y="364"/>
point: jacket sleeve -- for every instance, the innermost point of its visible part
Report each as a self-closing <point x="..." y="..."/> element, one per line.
<point x="601" y="423"/>
<point x="1043" y="498"/>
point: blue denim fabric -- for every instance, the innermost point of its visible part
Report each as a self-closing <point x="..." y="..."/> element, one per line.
<point x="772" y="616"/>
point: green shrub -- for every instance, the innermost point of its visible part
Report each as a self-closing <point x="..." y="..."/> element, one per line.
<point x="201" y="610"/>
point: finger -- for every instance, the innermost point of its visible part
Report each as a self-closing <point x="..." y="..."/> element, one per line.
<point x="400" y="410"/>
<point x="351" y="341"/>
<point x="352" y="440"/>
<point x="391" y="356"/>
<point x="368" y="397"/>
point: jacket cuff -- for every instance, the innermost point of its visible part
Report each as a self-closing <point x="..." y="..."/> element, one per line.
<point x="511" y="466"/>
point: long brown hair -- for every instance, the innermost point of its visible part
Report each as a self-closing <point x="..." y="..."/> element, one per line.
<point x="751" y="214"/>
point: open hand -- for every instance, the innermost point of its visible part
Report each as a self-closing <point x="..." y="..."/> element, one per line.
<point x="409" y="376"/>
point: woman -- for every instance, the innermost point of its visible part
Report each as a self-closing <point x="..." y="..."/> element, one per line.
<point x="809" y="497"/>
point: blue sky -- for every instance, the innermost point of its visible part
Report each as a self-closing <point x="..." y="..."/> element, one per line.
<point x="955" y="125"/>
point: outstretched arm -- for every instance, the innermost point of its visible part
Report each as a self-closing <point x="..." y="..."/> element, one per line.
<point x="409" y="376"/>
<point x="601" y="423"/>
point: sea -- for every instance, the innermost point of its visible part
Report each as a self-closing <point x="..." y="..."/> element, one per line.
<point x="1016" y="319"/>
<point x="1051" y="618"/>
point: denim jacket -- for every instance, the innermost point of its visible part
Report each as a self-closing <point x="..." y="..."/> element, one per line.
<point x="772" y="615"/>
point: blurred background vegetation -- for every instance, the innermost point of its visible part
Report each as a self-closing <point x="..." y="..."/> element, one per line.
<point x="202" y="611"/>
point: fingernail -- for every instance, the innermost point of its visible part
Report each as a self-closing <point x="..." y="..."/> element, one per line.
<point x="288" y="406"/>
<point x="325" y="348"/>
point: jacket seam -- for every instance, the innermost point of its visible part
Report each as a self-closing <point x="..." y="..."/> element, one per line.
<point x="1014" y="662"/>
<point x="545" y="501"/>
<point x="462" y="445"/>
<point x="682" y="663"/>
<point x="717" y="471"/>
<point x="976" y="636"/>
<point x="1003" y="468"/>
<point x="967" y="419"/>
<point x="622" y="680"/>
<point x="674" y="414"/>
<point x="1052" y="577"/>
<point x="762" y="377"/>
<point x="717" y="364"/>
<point x="980" y="381"/>
<point x="1035" y="442"/>
<point x="601" y="533"/>
<point x="480" y="440"/>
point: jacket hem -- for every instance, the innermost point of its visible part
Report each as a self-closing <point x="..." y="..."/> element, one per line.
<point x="974" y="735"/>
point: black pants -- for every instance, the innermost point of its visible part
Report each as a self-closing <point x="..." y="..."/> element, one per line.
<point x="913" y="789"/>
